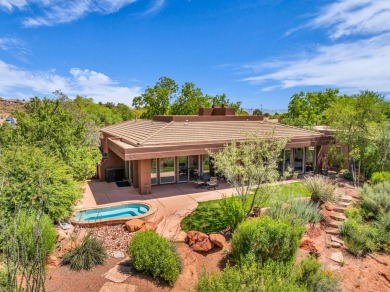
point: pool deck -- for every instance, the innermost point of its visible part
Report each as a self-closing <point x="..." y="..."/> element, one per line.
<point x="173" y="202"/>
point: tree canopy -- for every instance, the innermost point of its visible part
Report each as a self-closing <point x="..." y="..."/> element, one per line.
<point x="165" y="99"/>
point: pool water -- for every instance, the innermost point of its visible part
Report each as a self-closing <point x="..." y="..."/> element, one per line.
<point x="128" y="210"/>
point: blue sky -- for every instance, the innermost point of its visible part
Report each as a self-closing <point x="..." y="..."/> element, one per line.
<point x="257" y="51"/>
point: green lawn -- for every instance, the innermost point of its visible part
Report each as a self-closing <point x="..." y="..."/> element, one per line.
<point x="208" y="217"/>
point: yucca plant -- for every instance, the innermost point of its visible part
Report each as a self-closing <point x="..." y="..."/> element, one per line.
<point x="90" y="253"/>
<point x="321" y="188"/>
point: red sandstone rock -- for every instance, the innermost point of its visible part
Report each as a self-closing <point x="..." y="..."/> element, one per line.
<point x="52" y="261"/>
<point x="313" y="230"/>
<point x="148" y="226"/>
<point x="307" y="244"/>
<point x="134" y="225"/>
<point x="329" y="207"/>
<point x="199" y="241"/>
<point x="218" y="239"/>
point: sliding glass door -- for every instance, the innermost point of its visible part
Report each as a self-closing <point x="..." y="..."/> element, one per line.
<point x="193" y="166"/>
<point x="182" y="169"/>
<point x="167" y="170"/>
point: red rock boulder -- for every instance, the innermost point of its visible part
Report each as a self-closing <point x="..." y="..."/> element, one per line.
<point x="218" y="239"/>
<point x="307" y="244"/>
<point x="134" y="225"/>
<point x="199" y="241"/>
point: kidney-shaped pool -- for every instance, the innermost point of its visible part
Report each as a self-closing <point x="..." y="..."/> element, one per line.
<point x="113" y="213"/>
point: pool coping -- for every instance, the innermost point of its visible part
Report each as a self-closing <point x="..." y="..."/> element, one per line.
<point x="113" y="221"/>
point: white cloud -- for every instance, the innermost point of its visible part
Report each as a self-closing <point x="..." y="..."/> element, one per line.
<point x="51" y="12"/>
<point x="155" y="7"/>
<point x="360" y="65"/>
<point x="14" y="81"/>
<point x="350" y="17"/>
<point x="360" y="61"/>
<point x="15" y="47"/>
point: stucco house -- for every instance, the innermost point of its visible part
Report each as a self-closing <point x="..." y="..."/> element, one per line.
<point x="174" y="149"/>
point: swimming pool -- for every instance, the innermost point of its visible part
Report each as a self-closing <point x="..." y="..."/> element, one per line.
<point x="113" y="213"/>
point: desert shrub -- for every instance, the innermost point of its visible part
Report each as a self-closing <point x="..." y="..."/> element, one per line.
<point x="336" y="159"/>
<point x="233" y="210"/>
<point x="264" y="238"/>
<point x="32" y="229"/>
<point x="359" y="237"/>
<point x="316" y="279"/>
<point x="155" y="255"/>
<point x="383" y="232"/>
<point x="270" y="276"/>
<point x="378" y="177"/>
<point x="345" y="173"/>
<point x="375" y="200"/>
<point x="352" y="213"/>
<point x="88" y="254"/>
<point x="296" y="211"/>
<point x="3" y="279"/>
<point x="321" y="189"/>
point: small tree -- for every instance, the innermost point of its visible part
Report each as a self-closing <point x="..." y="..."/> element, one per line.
<point x="249" y="164"/>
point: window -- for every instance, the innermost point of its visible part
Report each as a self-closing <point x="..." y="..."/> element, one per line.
<point x="153" y="171"/>
<point x="310" y="158"/>
<point x="182" y="170"/>
<point x="298" y="159"/>
<point x="193" y="166"/>
<point x="167" y="170"/>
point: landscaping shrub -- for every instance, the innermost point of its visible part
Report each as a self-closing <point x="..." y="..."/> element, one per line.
<point x="233" y="209"/>
<point x="375" y="200"/>
<point x="90" y="253"/>
<point x="316" y="279"/>
<point x="3" y="279"/>
<point x="321" y="189"/>
<point x="264" y="238"/>
<point x="270" y="276"/>
<point x="345" y="173"/>
<point x="378" y="177"/>
<point x="336" y="159"/>
<point x="383" y="232"/>
<point x="296" y="211"/>
<point x="32" y="229"/>
<point x="155" y="255"/>
<point x="359" y="238"/>
<point x="352" y="213"/>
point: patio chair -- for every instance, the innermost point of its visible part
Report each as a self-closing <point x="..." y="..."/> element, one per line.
<point x="200" y="184"/>
<point x="213" y="183"/>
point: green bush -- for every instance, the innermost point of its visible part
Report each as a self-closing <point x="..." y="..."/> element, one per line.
<point x="317" y="279"/>
<point x="352" y="213"/>
<point x="375" y="200"/>
<point x="383" y="229"/>
<point x="345" y="173"/>
<point x="270" y="276"/>
<point x="296" y="211"/>
<point x="336" y="159"/>
<point x="90" y="253"/>
<point x="378" y="177"/>
<point x="321" y="189"/>
<point x="359" y="238"/>
<point x="31" y="230"/>
<point x="3" y="279"/>
<point x="265" y="238"/>
<point x="233" y="209"/>
<point x="155" y="255"/>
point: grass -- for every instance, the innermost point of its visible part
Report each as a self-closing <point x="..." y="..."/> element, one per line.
<point x="208" y="216"/>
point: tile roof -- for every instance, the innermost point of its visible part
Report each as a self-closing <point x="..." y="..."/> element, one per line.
<point x="150" y="133"/>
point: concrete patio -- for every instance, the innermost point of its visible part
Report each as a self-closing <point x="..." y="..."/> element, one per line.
<point x="173" y="201"/>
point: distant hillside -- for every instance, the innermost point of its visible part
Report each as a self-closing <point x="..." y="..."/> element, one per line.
<point x="8" y="106"/>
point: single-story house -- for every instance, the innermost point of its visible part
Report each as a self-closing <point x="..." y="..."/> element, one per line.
<point x="174" y="149"/>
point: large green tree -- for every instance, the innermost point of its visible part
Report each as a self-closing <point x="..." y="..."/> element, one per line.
<point x="156" y="100"/>
<point x="357" y="119"/>
<point x="307" y="109"/>
<point x="189" y="100"/>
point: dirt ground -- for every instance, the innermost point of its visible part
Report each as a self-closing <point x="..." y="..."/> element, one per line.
<point x="371" y="273"/>
<point x="61" y="279"/>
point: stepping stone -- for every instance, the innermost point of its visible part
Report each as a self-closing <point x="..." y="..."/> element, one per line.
<point x="346" y="199"/>
<point x="334" y="224"/>
<point x="338" y="216"/>
<point x="344" y="204"/>
<point x="118" y="274"/>
<point x="333" y="231"/>
<point x="339" y="209"/>
<point x="337" y="257"/>
<point x="118" y="254"/>
<point x="115" y="287"/>
<point x="336" y="239"/>
<point x="335" y="244"/>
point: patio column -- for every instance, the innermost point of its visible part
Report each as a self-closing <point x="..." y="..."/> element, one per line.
<point x="144" y="178"/>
